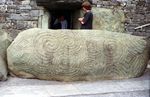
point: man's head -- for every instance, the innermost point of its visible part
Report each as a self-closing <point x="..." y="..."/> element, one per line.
<point x="86" y="5"/>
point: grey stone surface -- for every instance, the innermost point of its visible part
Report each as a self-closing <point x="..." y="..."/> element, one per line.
<point x="135" y="87"/>
<point x="23" y="16"/>
<point x="3" y="69"/>
<point x="34" y="13"/>
<point x="26" y="24"/>
<point x="4" y="43"/>
<point x="108" y="19"/>
<point x="69" y="55"/>
<point x="2" y="1"/>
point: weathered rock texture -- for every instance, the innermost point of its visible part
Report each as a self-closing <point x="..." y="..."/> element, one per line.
<point x="137" y="13"/>
<point x="4" y="43"/>
<point x="108" y="19"/>
<point x="3" y="69"/>
<point x="77" y="55"/>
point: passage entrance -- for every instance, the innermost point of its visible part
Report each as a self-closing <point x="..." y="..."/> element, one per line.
<point x="56" y="17"/>
<point x="68" y="8"/>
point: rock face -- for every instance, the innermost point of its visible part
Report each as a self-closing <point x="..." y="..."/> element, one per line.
<point x="108" y="19"/>
<point x="70" y="55"/>
<point x="4" y="43"/>
<point x="3" y="69"/>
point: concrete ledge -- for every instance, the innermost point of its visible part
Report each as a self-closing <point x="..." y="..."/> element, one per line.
<point x="135" y="87"/>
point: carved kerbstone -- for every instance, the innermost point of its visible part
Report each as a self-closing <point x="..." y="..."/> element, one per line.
<point x="4" y="43"/>
<point x="69" y="55"/>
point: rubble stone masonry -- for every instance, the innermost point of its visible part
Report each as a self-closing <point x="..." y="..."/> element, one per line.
<point x="18" y="15"/>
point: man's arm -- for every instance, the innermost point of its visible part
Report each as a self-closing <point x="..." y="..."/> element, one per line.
<point x="86" y="18"/>
<point x="81" y="20"/>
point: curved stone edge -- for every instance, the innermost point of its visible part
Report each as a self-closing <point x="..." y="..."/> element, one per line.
<point x="5" y="41"/>
<point x="23" y="74"/>
<point x="3" y="69"/>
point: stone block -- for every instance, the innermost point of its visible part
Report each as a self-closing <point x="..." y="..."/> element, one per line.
<point x="22" y="16"/>
<point x="95" y="1"/>
<point x="4" y="43"/>
<point x="108" y="19"/>
<point x="21" y="25"/>
<point x="4" y="15"/>
<point x="11" y="8"/>
<point x="148" y="17"/>
<point x="148" y="31"/>
<point x="41" y="12"/>
<point x="1" y="25"/>
<point x="3" y="69"/>
<point x="2" y="1"/>
<point x="24" y="7"/>
<point x="106" y="3"/>
<point x="3" y="8"/>
<point x="138" y="16"/>
<point x="35" y="13"/>
<point x="18" y="11"/>
<point x="9" y="2"/>
<point x="70" y="55"/>
<point x="2" y="19"/>
<point x="25" y="2"/>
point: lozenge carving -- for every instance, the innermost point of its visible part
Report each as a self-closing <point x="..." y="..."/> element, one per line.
<point x="70" y="55"/>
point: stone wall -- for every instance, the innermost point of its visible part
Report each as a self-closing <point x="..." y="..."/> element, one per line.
<point x="18" y="15"/>
<point x="137" y="13"/>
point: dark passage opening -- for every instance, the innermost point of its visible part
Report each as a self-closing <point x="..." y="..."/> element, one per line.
<point x="56" y="17"/>
<point x="59" y="8"/>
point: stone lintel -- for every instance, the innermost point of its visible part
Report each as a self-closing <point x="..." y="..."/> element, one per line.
<point x="60" y="4"/>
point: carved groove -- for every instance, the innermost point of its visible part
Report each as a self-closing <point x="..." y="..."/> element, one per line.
<point x="77" y="55"/>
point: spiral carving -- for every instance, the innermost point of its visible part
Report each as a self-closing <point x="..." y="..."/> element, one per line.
<point x="77" y="55"/>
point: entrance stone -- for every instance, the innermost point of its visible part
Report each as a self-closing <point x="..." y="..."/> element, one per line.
<point x="70" y="55"/>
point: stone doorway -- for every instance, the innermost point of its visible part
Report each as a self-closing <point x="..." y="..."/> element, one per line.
<point x="55" y="14"/>
<point x="70" y="9"/>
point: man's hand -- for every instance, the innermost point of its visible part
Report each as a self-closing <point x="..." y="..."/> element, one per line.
<point x="81" y="20"/>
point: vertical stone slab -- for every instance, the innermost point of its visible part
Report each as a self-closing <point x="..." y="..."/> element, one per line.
<point x="4" y="43"/>
<point x="108" y="19"/>
<point x="3" y="69"/>
<point x="44" y="20"/>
